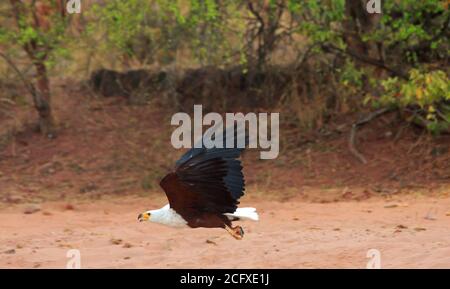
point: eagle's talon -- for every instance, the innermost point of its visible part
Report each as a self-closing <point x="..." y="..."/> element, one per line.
<point x="241" y="231"/>
<point x="237" y="232"/>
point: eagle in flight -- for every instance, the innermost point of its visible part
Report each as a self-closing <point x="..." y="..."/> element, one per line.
<point x="204" y="190"/>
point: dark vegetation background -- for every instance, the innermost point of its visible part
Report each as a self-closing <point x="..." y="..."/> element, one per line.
<point x="86" y="99"/>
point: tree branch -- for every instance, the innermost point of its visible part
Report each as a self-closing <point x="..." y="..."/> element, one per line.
<point x="365" y="59"/>
<point x="363" y="121"/>
<point x="29" y="86"/>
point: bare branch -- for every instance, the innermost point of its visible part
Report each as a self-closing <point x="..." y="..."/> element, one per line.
<point x="363" y="121"/>
<point x="30" y="87"/>
<point x="366" y="59"/>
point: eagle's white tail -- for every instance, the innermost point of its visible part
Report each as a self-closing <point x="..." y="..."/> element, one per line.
<point x="244" y="214"/>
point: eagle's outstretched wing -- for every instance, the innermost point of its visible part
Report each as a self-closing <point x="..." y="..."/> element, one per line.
<point x="206" y="180"/>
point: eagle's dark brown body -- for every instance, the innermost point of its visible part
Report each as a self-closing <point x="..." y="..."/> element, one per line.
<point x="183" y="200"/>
<point x="208" y="220"/>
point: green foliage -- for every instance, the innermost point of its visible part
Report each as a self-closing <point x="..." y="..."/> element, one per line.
<point x="409" y="33"/>
<point x="428" y="93"/>
<point x="350" y="77"/>
<point x="318" y="19"/>
<point x="150" y="30"/>
<point x="205" y="25"/>
<point x="413" y="27"/>
<point x="49" y="40"/>
<point x="165" y="27"/>
<point x="122" y="20"/>
<point x="407" y="28"/>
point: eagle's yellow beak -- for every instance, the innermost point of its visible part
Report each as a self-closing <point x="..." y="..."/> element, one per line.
<point x="143" y="217"/>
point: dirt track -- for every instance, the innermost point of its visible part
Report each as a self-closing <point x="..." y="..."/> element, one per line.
<point x="413" y="233"/>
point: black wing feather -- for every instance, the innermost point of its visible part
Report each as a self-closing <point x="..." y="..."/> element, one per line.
<point x="206" y="180"/>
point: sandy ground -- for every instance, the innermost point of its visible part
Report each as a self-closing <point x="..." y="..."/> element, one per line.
<point x="411" y="233"/>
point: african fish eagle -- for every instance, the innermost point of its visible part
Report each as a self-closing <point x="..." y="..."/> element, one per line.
<point x="204" y="189"/>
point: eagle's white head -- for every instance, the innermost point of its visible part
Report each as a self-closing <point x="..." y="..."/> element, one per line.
<point x="165" y="216"/>
<point x="145" y="216"/>
<point x="153" y="215"/>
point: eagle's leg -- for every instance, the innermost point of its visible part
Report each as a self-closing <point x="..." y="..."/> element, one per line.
<point x="237" y="232"/>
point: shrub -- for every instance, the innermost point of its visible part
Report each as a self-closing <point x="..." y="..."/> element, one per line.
<point x="425" y="94"/>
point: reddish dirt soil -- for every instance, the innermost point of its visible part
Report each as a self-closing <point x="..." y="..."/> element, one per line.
<point x="408" y="232"/>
